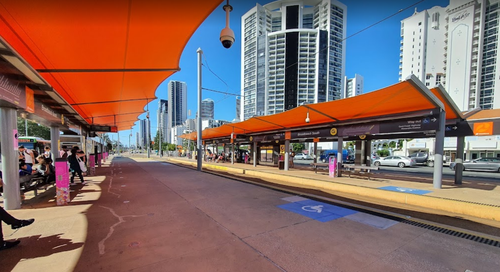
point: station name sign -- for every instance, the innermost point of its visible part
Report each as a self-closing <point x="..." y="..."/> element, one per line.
<point x="98" y="128"/>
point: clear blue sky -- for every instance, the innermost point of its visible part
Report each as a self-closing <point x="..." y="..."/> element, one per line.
<point x="373" y="53"/>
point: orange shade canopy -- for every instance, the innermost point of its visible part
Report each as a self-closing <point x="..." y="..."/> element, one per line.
<point x="400" y="100"/>
<point x="105" y="58"/>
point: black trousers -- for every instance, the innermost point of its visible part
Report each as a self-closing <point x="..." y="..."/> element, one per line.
<point x="8" y="219"/>
<point x="79" y="172"/>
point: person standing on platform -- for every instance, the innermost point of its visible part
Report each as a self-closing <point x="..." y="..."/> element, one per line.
<point x="292" y="154"/>
<point x="74" y="165"/>
<point x="26" y="154"/>
<point x="47" y="154"/>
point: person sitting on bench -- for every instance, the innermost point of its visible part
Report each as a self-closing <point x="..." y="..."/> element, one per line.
<point x="25" y="169"/>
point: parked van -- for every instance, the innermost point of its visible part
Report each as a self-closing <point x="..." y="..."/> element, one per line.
<point x="326" y="154"/>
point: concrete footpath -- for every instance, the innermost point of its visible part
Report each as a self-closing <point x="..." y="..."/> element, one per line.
<point x="139" y="214"/>
<point x="475" y="200"/>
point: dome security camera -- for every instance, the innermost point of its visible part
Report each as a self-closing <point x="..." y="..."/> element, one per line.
<point x="227" y="37"/>
<point x="308" y="120"/>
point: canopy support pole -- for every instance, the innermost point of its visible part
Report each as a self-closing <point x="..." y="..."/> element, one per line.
<point x="54" y="142"/>
<point x="340" y="149"/>
<point x="459" y="166"/>
<point x="287" y="146"/>
<point x="315" y="152"/>
<point x="10" y="162"/>
<point x="438" y="151"/>
<point x="254" y="157"/>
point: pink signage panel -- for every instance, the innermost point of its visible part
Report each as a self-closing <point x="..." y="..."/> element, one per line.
<point x="332" y="166"/>
<point x="62" y="182"/>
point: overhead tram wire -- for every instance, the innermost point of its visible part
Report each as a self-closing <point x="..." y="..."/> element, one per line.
<point x="350" y="36"/>
<point x="227" y="86"/>
<point x="366" y="28"/>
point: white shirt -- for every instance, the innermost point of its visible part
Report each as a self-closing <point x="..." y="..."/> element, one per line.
<point x="28" y="156"/>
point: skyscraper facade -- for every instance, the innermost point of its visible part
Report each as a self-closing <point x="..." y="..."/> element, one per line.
<point x="353" y="86"/>
<point x="177" y="104"/>
<point x="207" y="109"/>
<point x="292" y="52"/>
<point x="455" y="46"/>
<point x="238" y="110"/>
<point x="162" y="120"/>
<point x="143" y="133"/>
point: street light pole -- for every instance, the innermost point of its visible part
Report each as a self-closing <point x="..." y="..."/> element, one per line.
<point x="160" y="130"/>
<point x="147" y="136"/>
<point x="198" y="118"/>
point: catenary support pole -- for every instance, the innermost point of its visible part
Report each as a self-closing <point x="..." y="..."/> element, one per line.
<point x="118" y="143"/>
<point x="148" y="139"/>
<point x="198" y="119"/>
<point x="10" y="159"/>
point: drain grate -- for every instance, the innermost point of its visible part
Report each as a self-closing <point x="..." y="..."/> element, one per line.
<point x="454" y="233"/>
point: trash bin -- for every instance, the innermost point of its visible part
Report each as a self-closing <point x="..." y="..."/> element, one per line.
<point x="281" y="165"/>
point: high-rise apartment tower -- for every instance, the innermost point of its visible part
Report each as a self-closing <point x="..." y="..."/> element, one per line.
<point x="207" y="109"/>
<point x="162" y="120"/>
<point x="353" y="86"/>
<point x="292" y="52"/>
<point x="177" y="105"/>
<point x="455" y="46"/>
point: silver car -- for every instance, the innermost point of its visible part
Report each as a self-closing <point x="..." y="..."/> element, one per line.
<point x="399" y="161"/>
<point x="302" y="156"/>
<point x="481" y="164"/>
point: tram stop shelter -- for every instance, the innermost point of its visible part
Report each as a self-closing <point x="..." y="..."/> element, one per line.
<point x="404" y="110"/>
<point x="86" y="66"/>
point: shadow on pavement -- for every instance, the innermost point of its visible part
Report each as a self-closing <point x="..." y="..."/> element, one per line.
<point x="38" y="247"/>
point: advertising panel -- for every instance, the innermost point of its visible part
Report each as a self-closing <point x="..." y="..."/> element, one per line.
<point x="362" y="129"/>
<point x="30" y="100"/>
<point x="13" y="93"/>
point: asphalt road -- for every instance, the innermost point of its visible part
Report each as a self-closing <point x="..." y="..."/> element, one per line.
<point x="227" y="225"/>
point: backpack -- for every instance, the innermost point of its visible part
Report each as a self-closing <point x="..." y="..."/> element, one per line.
<point x="65" y="155"/>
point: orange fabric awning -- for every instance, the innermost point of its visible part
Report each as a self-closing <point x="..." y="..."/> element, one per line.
<point x="105" y="58"/>
<point x="396" y="101"/>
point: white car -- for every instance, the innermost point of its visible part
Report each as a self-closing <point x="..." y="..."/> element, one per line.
<point x="302" y="156"/>
<point x="399" y="161"/>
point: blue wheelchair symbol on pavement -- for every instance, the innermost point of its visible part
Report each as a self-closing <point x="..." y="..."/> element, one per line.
<point x="405" y="190"/>
<point x="317" y="210"/>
